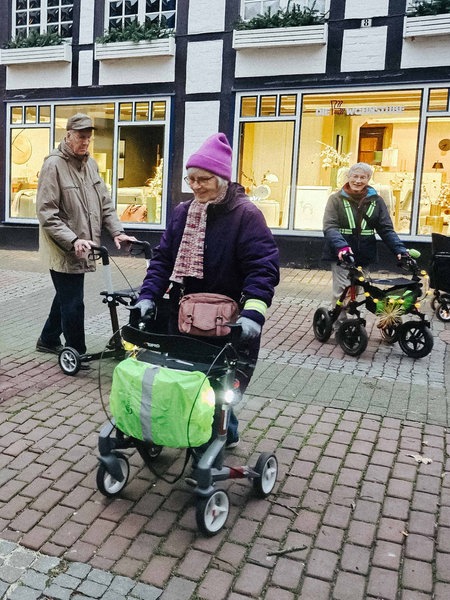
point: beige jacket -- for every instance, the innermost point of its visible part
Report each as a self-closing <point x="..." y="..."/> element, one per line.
<point x="72" y="202"/>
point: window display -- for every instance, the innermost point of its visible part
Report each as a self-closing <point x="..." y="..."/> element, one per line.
<point x="128" y="146"/>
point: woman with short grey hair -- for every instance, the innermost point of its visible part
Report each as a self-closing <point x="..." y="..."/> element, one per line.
<point x="352" y="217"/>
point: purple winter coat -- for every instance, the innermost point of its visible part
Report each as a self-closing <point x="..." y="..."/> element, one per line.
<point x="240" y="255"/>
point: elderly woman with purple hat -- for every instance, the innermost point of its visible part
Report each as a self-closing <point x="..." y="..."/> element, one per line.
<point x="216" y="242"/>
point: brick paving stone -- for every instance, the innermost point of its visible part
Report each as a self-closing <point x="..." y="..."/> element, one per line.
<point x="178" y="589"/>
<point x="215" y="585"/>
<point x="349" y="586"/>
<point x="383" y="583"/>
<point x="251" y="580"/>
<point x="419" y="547"/>
<point x="158" y="570"/>
<point x="287" y="573"/>
<point x="418" y="575"/>
<point x="355" y="559"/>
<point x="315" y="589"/>
<point x="321" y="563"/>
<point x="387" y="555"/>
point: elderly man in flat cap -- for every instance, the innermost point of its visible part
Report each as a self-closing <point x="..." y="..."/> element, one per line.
<point x="73" y="206"/>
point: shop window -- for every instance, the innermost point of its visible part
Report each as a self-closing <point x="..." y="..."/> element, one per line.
<point x="337" y="130"/>
<point x="132" y="169"/>
<point x="53" y="16"/>
<point x="265" y="167"/>
<point x="434" y="208"/>
<point x="288" y="105"/>
<point x="122" y="13"/>
<point x="251" y="8"/>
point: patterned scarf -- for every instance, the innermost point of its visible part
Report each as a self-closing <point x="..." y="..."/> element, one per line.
<point x="189" y="261"/>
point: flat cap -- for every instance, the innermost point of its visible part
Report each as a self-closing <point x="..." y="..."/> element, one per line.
<point x="79" y="121"/>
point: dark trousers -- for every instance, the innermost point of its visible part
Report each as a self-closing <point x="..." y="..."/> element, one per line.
<point x="67" y="312"/>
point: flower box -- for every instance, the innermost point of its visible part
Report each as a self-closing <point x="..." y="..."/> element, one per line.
<point x="36" y="54"/>
<point x="283" y="36"/>
<point x="118" y="50"/>
<point x="426" y="26"/>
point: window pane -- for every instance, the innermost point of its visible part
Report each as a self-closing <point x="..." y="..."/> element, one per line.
<point x="44" y="114"/>
<point x="30" y="114"/>
<point x="140" y="173"/>
<point x="265" y="167"/>
<point x="268" y="106"/>
<point x="16" y="114"/>
<point x="158" y="111"/>
<point x="438" y="99"/>
<point x="380" y="128"/>
<point x="248" y="106"/>
<point x="125" y="111"/>
<point x="141" y="111"/>
<point x="434" y="210"/>
<point x="29" y="147"/>
<point x="288" y="105"/>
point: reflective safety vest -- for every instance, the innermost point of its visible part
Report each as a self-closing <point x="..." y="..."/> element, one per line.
<point x="365" y="230"/>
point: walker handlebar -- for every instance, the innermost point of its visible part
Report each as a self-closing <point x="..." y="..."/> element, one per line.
<point x="137" y="248"/>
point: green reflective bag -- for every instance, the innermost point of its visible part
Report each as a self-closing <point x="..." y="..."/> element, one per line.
<point x="168" y="407"/>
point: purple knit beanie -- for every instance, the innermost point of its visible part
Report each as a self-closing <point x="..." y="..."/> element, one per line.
<point x="214" y="155"/>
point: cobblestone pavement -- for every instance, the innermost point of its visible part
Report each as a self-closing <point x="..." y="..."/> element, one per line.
<point x="361" y="509"/>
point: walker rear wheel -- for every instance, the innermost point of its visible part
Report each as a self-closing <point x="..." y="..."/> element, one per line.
<point x="322" y="324"/>
<point x="352" y="337"/>
<point x="267" y="468"/>
<point x="69" y="361"/>
<point x="442" y="311"/>
<point x="212" y="512"/>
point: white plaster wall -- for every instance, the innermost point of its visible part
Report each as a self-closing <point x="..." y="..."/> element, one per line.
<point x="201" y="121"/>
<point x="258" y="62"/>
<point x="204" y="18"/>
<point x="85" y="67"/>
<point x="364" y="49"/>
<point x="32" y="76"/>
<point x="132" y="70"/>
<point x="433" y="51"/>
<point x="204" y="67"/>
<point x="365" y="9"/>
<point x="86" y="21"/>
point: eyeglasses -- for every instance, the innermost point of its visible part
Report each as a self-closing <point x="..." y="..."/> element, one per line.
<point x="200" y="180"/>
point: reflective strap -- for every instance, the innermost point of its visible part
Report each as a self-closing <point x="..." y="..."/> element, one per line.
<point x="146" y="402"/>
<point x="346" y="231"/>
<point x="349" y="213"/>
<point x="257" y="305"/>
<point x="367" y="232"/>
<point x="369" y="213"/>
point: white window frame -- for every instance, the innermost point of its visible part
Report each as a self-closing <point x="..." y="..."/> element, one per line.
<point x="321" y="5"/>
<point x="140" y="14"/>
<point x="43" y="18"/>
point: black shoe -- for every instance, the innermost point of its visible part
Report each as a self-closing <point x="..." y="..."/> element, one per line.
<point x="232" y="443"/>
<point x="41" y="347"/>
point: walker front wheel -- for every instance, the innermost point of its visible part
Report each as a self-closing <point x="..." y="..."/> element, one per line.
<point x="267" y="468"/>
<point x="107" y="484"/>
<point x="352" y="337"/>
<point x="212" y="512"/>
<point x="69" y="361"/>
<point x="322" y="324"/>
